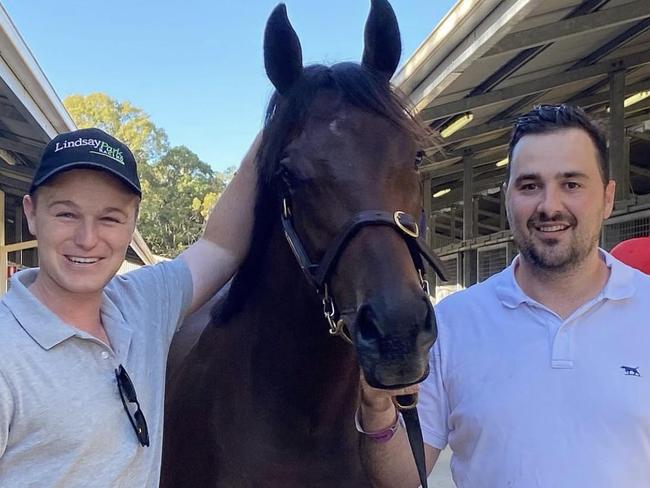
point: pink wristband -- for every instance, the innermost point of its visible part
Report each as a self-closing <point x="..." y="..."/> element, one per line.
<point x="380" y="436"/>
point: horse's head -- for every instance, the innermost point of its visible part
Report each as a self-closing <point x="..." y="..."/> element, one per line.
<point x="339" y="146"/>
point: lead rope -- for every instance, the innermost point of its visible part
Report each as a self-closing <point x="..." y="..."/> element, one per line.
<point x="407" y="406"/>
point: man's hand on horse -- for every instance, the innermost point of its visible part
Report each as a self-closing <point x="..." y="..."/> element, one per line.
<point x="377" y="408"/>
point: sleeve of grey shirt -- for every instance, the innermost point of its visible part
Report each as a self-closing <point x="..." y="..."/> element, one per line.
<point x="6" y="412"/>
<point x="162" y="292"/>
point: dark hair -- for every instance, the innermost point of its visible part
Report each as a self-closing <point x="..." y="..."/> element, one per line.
<point x="549" y="118"/>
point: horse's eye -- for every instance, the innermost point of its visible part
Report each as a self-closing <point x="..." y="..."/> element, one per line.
<point x="286" y="173"/>
<point x="419" y="157"/>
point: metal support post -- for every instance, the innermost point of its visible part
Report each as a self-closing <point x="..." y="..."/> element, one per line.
<point x="619" y="165"/>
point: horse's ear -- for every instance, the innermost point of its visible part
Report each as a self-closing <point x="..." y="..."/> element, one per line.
<point x="383" y="46"/>
<point x="282" y="51"/>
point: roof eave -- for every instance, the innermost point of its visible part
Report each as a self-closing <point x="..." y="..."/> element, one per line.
<point x="29" y="83"/>
<point x="468" y="30"/>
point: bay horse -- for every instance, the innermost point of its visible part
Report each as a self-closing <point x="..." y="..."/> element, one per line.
<point x="266" y="397"/>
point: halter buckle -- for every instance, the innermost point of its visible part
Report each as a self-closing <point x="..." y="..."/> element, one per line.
<point x="336" y="328"/>
<point x="424" y="283"/>
<point x="328" y="306"/>
<point x="406" y="402"/>
<point x="410" y="230"/>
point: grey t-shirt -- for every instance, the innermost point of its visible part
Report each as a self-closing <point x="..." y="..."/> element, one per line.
<point x="62" y="422"/>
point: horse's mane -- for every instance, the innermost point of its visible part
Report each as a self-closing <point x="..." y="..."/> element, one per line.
<point x="285" y="116"/>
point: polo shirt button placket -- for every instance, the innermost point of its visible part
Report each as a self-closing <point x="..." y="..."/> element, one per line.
<point x="562" y="356"/>
<point x="105" y="355"/>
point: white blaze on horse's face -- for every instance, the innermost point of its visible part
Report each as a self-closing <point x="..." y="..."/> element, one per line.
<point x="334" y="127"/>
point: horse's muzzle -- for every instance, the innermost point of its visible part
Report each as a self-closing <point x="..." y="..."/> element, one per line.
<point x="393" y="343"/>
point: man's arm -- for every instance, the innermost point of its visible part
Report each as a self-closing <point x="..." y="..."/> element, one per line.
<point x="388" y="464"/>
<point x="215" y="257"/>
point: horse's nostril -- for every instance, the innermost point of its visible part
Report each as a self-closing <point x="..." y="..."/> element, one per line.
<point x="430" y="325"/>
<point x="367" y="324"/>
<point x="409" y="320"/>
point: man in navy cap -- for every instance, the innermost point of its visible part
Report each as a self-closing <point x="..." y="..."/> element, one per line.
<point x="82" y="351"/>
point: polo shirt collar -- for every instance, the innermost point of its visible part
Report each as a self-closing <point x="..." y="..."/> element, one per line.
<point x="47" y="329"/>
<point x="619" y="286"/>
<point x="508" y="290"/>
<point x="42" y="325"/>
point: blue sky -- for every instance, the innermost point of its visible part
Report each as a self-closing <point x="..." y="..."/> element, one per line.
<point x="196" y="66"/>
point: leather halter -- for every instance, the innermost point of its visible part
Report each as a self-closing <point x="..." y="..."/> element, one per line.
<point x="317" y="274"/>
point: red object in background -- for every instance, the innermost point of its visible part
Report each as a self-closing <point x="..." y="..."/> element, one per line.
<point x="11" y="270"/>
<point x="635" y="253"/>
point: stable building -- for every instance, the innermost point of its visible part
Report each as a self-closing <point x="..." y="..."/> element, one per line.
<point x="488" y="61"/>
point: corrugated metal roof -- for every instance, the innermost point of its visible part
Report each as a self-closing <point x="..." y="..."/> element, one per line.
<point x="496" y="58"/>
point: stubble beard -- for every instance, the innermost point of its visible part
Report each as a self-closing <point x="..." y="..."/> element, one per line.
<point x="550" y="256"/>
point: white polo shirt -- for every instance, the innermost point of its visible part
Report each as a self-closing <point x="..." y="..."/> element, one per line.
<point x="526" y="399"/>
<point x="62" y="422"/>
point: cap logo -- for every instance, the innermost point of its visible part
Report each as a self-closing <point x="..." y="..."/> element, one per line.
<point x="100" y="147"/>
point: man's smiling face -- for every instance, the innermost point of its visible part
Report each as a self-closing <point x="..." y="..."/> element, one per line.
<point x="556" y="199"/>
<point x="84" y="221"/>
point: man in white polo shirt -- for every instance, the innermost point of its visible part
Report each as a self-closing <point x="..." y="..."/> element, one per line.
<point x="82" y="352"/>
<point x="540" y="376"/>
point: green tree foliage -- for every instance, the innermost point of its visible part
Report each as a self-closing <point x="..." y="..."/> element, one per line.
<point x="178" y="189"/>
<point x="181" y="192"/>
<point x="124" y="121"/>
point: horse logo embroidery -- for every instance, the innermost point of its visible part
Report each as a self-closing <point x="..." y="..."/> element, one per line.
<point x="629" y="371"/>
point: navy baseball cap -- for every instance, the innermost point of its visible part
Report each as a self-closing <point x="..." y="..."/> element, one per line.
<point x="87" y="148"/>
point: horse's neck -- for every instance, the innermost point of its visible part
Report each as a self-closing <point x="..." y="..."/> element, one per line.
<point x="293" y="306"/>
<point x="292" y="335"/>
